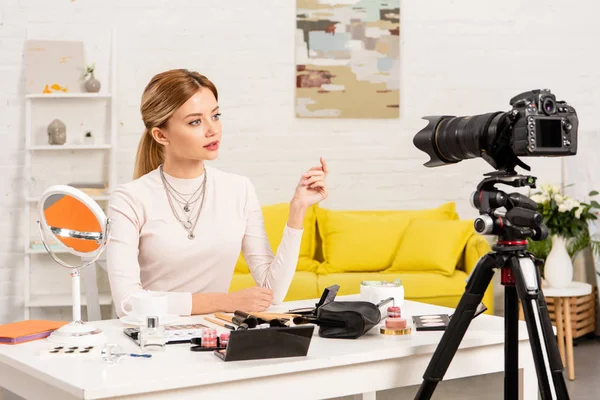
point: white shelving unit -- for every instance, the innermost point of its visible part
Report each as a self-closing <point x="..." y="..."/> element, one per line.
<point x="71" y="147"/>
<point x="69" y="96"/>
<point x="31" y="202"/>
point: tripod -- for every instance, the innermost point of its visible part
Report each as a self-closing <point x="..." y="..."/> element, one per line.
<point x="521" y="280"/>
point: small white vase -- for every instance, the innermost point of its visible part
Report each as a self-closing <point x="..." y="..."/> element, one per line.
<point x="558" y="269"/>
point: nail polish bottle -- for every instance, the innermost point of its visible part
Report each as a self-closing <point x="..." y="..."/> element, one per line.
<point x="152" y="336"/>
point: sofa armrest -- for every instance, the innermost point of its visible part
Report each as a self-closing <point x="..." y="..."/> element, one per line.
<point x="477" y="246"/>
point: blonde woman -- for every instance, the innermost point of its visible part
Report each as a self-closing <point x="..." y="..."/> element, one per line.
<point x="178" y="227"/>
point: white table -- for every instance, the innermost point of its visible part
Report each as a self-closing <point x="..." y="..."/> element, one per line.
<point x="563" y="315"/>
<point x="333" y="367"/>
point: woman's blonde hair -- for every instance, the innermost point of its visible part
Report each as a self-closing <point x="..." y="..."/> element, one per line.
<point x="165" y="93"/>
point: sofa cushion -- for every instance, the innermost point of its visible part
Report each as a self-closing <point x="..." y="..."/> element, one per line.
<point x="359" y="242"/>
<point x="431" y="288"/>
<point x="275" y="217"/>
<point x="366" y="240"/>
<point x="432" y="246"/>
<point x="303" y="286"/>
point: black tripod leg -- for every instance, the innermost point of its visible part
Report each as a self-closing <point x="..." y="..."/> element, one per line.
<point x="478" y="282"/>
<point x="511" y="343"/>
<point x="543" y="344"/>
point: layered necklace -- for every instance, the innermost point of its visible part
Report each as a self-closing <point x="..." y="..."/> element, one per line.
<point x="185" y="202"/>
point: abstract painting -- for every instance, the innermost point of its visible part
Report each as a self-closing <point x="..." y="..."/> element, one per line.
<point x="347" y="58"/>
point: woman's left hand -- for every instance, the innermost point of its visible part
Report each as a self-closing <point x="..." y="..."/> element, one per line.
<point x="312" y="187"/>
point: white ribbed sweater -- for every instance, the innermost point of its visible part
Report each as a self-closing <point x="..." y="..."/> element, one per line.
<point x="150" y="250"/>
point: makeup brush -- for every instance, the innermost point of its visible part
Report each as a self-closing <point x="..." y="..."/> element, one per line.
<point x="268" y="315"/>
<point x="224" y="325"/>
<point x="224" y="317"/>
<point x="247" y="323"/>
<point x="273" y="322"/>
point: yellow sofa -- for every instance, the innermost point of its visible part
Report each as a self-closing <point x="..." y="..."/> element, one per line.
<point x="432" y="251"/>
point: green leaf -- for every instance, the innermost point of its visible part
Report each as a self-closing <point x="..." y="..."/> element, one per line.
<point x="541" y="248"/>
<point x="579" y="242"/>
<point x="593" y="193"/>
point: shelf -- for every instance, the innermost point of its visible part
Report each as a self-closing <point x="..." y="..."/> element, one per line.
<point x="64" y="300"/>
<point x="69" y="96"/>
<point x="52" y="147"/>
<point x="97" y="198"/>
<point x="42" y="250"/>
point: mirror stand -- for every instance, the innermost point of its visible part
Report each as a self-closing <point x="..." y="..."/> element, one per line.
<point x="77" y="332"/>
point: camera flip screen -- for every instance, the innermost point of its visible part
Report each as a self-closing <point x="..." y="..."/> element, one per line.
<point x="549" y="133"/>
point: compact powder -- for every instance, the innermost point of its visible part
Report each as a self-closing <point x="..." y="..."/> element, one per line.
<point x="432" y="322"/>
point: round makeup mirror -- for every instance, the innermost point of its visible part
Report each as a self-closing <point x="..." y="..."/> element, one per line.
<point x="78" y="224"/>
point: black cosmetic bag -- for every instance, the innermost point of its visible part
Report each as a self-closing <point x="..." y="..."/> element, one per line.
<point x="347" y="319"/>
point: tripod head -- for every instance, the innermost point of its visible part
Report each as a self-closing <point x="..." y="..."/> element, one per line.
<point x="518" y="221"/>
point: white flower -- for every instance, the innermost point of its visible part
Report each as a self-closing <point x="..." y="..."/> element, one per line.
<point x="538" y="198"/>
<point x="568" y="204"/>
<point x="573" y="204"/>
<point x="578" y="212"/>
<point x="555" y="189"/>
<point x="558" y="198"/>
<point x="546" y="188"/>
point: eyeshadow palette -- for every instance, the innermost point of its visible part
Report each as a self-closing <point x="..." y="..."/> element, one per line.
<point x="431" y="322"/>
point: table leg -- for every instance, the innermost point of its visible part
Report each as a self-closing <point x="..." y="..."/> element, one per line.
<point x="529" y="381"/>
<point x="569" y="339"/>
<point x="560" y="330"/>
<point x="366" y="396"/>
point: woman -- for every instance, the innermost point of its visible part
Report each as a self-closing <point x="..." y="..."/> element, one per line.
<point x="179" y="226"/>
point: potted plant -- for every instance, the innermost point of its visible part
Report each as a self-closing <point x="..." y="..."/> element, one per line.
<point x="568" y="222"/>
<point x="88" y="138"/>
<point x="92" y="85"/>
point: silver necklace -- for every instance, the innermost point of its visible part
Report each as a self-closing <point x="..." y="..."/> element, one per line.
<point x="180" y="197"/>
<point x="187" y="224"/>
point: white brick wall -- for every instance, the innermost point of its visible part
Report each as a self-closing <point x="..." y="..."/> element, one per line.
<point x="458" y="57"/>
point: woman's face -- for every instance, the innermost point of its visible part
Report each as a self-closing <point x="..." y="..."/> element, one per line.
<point x="194" y="130"/>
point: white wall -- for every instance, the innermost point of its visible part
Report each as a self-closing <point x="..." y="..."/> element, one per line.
<point x="458" y="57"/>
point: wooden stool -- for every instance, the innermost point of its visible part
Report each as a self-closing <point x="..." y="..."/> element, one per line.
<point x="566" y="319"/>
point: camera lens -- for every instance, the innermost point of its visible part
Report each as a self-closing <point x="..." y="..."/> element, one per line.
<point x="450" y="139"/>
<point x="549" y="105"/>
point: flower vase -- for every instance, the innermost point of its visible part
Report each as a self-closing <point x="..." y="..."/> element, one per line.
<point x="558" y="269"/>
<point x="92" y="85"/>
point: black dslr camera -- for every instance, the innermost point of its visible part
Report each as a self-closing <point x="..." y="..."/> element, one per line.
<point x="537" y="125"/>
